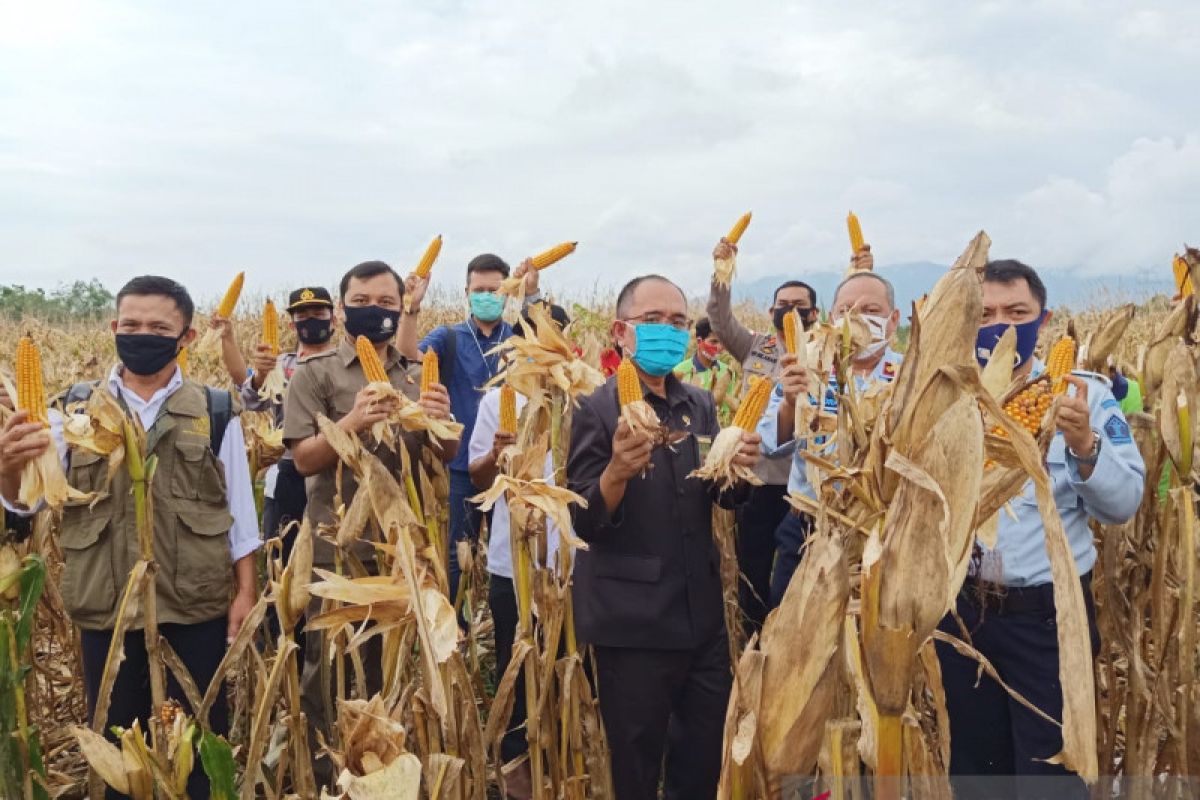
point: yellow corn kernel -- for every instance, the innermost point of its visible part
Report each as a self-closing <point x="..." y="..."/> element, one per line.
<point x="735" y="233"/>
<point x="372" y="367"/>
<point x="270" y="327"/>
<point x="791" y="330"/>
<point x="856" y="237"/>
<point x="1183" y="280"/>
<point x="629" y="385"/>
<point x="556" y="253"/>
<point x="753" y="404"/>
<point x="429" y="370"/>
<point x="1029" y="407"/>
<point x="229" y="301"/>
<point x="508" y="409"/>
<point x="1060" y="362"/>
<point x="431" y="253"/>
<point x="31" y="395"/>
<point x="182" y="360"/>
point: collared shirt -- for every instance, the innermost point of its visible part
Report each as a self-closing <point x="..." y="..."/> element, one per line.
<point x="286" y="363"/>
<point x="327" y="384"/>
<point x="1111" y="495"/>
<point x="499" y="560"/>
<point x="768" y="426"/>
<point x="244" y="536"/>
<point x="695" y="373"/>
<point x="474" y="367"/>
<point x="650" y="577"/>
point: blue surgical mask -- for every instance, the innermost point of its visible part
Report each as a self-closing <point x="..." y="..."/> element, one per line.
<point x="486" y="306"/>
<point x="1027" y="336"/>
<point x="660" y="347"/>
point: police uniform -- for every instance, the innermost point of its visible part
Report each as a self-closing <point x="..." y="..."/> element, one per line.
<point x="992" y="734"/>
<point x="792" y="531"/>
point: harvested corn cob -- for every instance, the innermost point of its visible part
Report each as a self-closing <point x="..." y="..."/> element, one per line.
<point x="791" y="331"/>
<point x="1183" y="280"/>
<point x="508" y="409"/>
<point x="431" y="253"/>
<point x="31" y="395"/>
<point x="429" y="370"/>
<point x="229" y="301"/>
<point x="720" y="466"/>
<point x="856" y="235"/>
<point x="372" y="367"/>
<point x="270" y="327"/>
<point x="1060" y="362"/>
<point x="739" y="227"/>
<point x="554" y="254"/>
<point x="629" y="386"/>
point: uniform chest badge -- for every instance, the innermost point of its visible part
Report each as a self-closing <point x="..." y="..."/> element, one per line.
<point x="758" y="365"/>
<point x="687" y="420"/>
<point x="201" y="427"/>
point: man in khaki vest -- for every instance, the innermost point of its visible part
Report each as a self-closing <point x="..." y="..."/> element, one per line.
<point x="205" y="524"/>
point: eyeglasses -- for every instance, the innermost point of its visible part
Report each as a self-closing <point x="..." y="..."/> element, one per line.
<point x="679" y="322"/>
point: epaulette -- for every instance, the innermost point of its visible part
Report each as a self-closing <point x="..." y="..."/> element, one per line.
<point x="1096" y="376"/>
<point x="315" y="356"/>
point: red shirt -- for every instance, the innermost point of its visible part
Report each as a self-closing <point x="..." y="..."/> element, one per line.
<point x="610" y="359"/>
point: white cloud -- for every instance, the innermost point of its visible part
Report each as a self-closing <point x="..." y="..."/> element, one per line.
<point x="295" y="139"/>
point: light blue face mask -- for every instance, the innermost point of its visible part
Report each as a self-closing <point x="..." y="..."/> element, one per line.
<point x="486" y="306"/>
<point x="660" y="347"/>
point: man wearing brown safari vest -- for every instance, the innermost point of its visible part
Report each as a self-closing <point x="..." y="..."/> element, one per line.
<point x="205" y="524"/>
<point x="331" y="384"/>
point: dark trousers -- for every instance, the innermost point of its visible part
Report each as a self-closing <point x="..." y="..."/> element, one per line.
<point x="789" y="538"/>
<point x="502" y="599"/>
<point x="201" y="648"/>
<point x="672" y="700"/>
<point x="997" y="746"/>
<point x="465" y="519"/>
<point x="757" y="521"/>
<point x="279" y="512"/>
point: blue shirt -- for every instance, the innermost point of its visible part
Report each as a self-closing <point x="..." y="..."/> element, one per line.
<point x="473" y="368"/>
<point x="1111" y="495"/>
<point x="768" y="426"/>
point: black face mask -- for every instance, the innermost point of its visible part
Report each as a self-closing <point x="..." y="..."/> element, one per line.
<point x="314" y="330"/>
<point x="376" y="323"/>
<point x="146" y="353"/>
<point x="807" y="317"/>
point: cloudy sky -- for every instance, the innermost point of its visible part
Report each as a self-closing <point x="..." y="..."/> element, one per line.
<point x="294" y="139"/>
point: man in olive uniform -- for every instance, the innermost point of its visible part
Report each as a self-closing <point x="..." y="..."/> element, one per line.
<point x="331" y="384"/>
<point x="205" y="524"/>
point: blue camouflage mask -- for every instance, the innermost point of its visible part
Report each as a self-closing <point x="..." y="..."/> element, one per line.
<point x="1027" y="336"/>
<point x="660" y="347"/>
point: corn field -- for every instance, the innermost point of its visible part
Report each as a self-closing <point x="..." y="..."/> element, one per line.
<point x="841" y="683"/>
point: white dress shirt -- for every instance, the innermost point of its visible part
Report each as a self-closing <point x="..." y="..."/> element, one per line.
<point x="244" y="536"/>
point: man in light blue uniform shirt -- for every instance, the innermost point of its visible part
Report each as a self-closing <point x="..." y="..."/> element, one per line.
<point x="1007" y="603"/>
<point x="873" y="297"/>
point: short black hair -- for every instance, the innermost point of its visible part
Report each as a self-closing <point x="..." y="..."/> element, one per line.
<point x="164" y="287"/>
<point x="558" y="315"/>
<point x="812" y="293"/>
<point x="488" y="262"/>
<point x="703" y="328"/>
<point x="625" y="296"/>
<point x="1009" y="270"/>
<point x="365" y="271"/>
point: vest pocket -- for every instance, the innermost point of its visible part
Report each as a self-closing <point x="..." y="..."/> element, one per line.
<point x="202" y="565"/>
<point x="197" y="474"/>
<point x="87" y="470"/>
<point x="88" y="583"/>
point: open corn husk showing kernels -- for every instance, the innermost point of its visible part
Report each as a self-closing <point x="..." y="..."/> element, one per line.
<point x="274" y="384"/>
<point x="515" y="287"/>
<point x="408" y="414"/>
<point x="208" y="344"/>
<point x="725" y="268"/>
<point x="43" y="477"/>
<point x="637" y="413"/>
<point x="719" y="465"/>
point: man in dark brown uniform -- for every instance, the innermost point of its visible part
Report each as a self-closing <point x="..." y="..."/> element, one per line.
<point x="205" y="523"/>
<point x="648" y="591"/>
<point x="331" y="384"/>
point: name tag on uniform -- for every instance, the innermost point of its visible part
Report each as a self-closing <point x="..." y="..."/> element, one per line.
<point x="703" y="445"/>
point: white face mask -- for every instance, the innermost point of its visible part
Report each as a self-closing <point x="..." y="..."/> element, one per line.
<point x="879" y="338"/>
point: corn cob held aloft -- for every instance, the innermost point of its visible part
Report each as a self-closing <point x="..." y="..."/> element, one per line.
<point x="372" y="367"/>
<point x="629" y="386"/>
<point x="791" y="331"/>
<point x="1060" y="362"/>
<point x="753" y="404"/>
<point x="270" y="327"/>
<point x="431" y="253"/>
<point x="856" y="235"/>
<point x="31" y="394"/>
<point x="508" y="409"/>
<point x="429" y="370"/>
<point x="554" y="254"/>
<point x="230" y="300"/>
<point x="735" y="233"/>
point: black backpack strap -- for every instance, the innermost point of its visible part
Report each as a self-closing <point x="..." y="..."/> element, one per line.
<point x="220" y="412"/>
<point x="449" y="359"/>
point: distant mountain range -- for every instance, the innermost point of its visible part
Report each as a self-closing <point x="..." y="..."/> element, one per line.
<point x="916" y="278"/>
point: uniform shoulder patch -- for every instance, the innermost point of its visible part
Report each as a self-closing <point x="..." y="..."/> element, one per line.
<point x="1095" y="376"/>
<point x="1117" y="430"/>
<point x="1110" y="403"/>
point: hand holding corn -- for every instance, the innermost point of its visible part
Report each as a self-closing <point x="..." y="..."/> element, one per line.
<point x="415" y="287"/>
<point x="1075" y="417"/>
<point x="863" y="260"/>
<point x="793" y="378"/>
<point x="436" y="401"/>
<point x="530" y="273"/>
<point x="630" y="454"/>
<point x="724" y="250"/>
<point x="750" y="451"/>
<point x="263" y="362"/>
<point x="21" y="442"/>
<point x="369" y="408"/>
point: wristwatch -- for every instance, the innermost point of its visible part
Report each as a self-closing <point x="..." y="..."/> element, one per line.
<point x="1093" y="455"/>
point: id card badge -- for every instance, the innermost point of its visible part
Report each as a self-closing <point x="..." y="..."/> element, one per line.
<point x="702" y="445"/>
